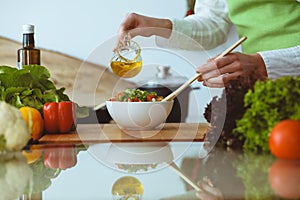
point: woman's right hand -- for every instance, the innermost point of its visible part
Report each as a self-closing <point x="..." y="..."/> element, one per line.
<point x="135" y="24"/>
<point x="208" y="190"/>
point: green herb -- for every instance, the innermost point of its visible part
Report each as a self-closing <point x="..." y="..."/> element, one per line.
<point x="268" y="103"/>
<point x="29" y="86"/>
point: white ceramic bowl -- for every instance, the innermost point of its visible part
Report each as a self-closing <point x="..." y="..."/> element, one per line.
<point x="139" y="115"/>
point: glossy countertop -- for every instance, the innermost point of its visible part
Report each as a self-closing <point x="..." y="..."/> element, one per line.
<point x="145" y="170"/>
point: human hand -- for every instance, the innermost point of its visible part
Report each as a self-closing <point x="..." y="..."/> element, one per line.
<point x="217" y="73"/>
<point x="208" y="191"/>
<point x="135" y="24"/>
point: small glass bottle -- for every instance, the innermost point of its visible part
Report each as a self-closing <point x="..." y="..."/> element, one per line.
<point x="28" y="55"/>
<point x="127" y="61"/>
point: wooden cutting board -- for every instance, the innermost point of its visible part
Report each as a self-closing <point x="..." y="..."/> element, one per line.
<point x="104" y="133"/>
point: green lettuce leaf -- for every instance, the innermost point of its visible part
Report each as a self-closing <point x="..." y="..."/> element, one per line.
<point x="268" y="103"/>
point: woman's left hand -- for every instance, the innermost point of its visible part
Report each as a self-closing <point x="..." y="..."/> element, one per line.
<point x="217" y="73"/>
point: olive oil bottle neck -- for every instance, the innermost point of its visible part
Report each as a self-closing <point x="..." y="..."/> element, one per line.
<point x="28" y="41"/>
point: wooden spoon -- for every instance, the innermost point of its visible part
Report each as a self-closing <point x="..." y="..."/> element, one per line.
<point x="184" y="176"/>
<point x="191" y="80"/>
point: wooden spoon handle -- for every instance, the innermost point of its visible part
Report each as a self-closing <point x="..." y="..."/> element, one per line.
<point x="231" y="48"/>
<point x="191" y="80"/>
<point x="185" y="177"/>
<point x="181" y="88"/>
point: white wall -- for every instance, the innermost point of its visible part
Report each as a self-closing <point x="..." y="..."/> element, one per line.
<point x="78" y="28"/>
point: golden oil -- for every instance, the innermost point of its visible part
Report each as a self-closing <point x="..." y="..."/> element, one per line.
<point x="126" y="69"/>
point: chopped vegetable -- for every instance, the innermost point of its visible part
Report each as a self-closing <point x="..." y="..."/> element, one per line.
<point x="268" y="103"/>
<point x="59" y="117"/>
<point x="136" y="95"/>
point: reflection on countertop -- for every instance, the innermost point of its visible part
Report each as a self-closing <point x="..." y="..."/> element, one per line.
<point x="97" y="171"/>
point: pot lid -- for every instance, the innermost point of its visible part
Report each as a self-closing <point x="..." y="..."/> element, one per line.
<point x="163" y="78"/>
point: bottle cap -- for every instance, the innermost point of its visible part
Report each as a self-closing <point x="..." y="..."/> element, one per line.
<point x="28" y="28"/>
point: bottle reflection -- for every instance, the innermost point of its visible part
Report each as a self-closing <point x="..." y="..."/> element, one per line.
<point x="127" y="188"/>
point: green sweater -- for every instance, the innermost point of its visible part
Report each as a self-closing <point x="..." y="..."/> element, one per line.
<point x="268" y="24"/>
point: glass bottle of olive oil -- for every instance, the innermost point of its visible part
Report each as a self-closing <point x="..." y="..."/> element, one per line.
<point x="28" y="54"/>
<point x="127" y="60"/>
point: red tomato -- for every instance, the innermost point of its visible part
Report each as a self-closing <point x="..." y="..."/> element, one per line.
<point x="284" y="141"/>
<point x="120" y="96"/>
<point x="151" y="96"/>
<point x="284" y="178"/>
<point x="136" y="99"/>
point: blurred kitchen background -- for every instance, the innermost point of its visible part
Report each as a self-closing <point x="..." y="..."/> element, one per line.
<point x="87" y="29"/>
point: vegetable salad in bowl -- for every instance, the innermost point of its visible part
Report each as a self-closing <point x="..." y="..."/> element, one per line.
<point x="135" y="109"/>
<point x="136" y="95"/>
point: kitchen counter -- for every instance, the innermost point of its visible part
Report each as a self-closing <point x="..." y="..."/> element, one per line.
<point x="104" y="170"/>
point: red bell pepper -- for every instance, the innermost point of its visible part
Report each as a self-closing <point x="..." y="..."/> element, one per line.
<point x="60" y="156"/>
<point x="59" y="117"/>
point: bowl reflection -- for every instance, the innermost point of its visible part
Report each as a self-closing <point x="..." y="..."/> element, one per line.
<point x="139" y="157"/>
<point x="133" y="157"/>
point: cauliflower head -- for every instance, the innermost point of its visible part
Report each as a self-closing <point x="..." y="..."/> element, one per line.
<point x="14" y="133"/>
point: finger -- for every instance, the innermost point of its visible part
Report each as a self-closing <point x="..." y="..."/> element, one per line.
<point x="128" y="23"/>
<point x="120" y="37"/>
<point x="208" y="181"/>
<point x="211" y="59"/>
<point x="223" y="79"/>
<point x="227" y="69"/>
<point x="214" y="64"/>
<point x="211" y="66"/>
<point x="213" y="84"/>
<point x="207" y="67"/>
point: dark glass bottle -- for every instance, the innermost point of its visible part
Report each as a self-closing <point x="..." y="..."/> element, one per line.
<point x="28" y="54"/>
